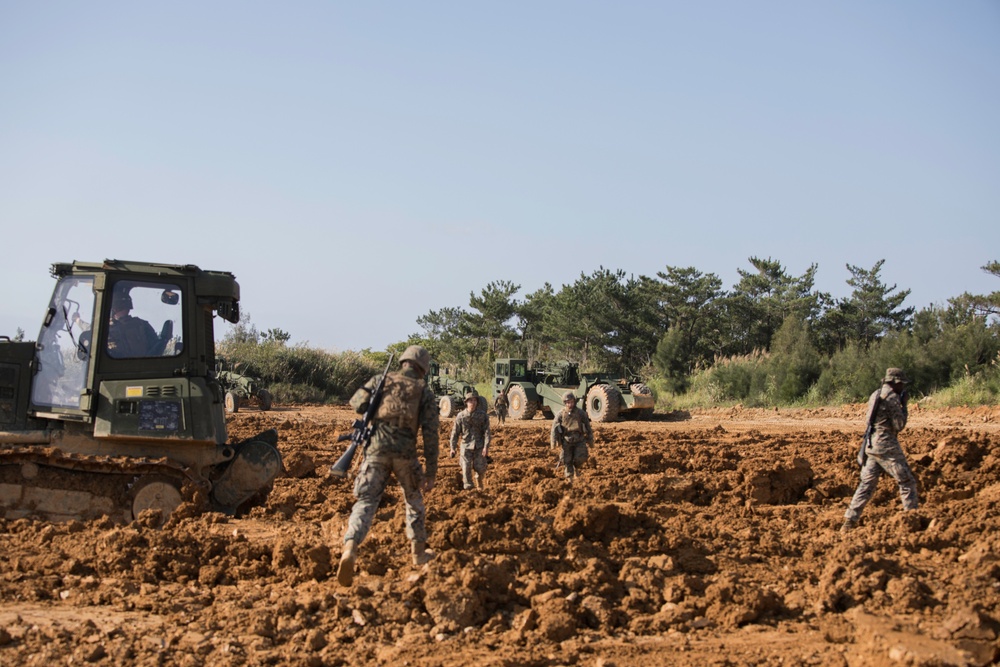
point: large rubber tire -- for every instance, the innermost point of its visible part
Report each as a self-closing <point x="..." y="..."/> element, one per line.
<point x="603" y="403"/>
<point x="519" y="406"/>
<point x="264" y="396"/>
<point x="641" y="389"/>
<point x="447" y="407"/>
<point x="232" y="402"/>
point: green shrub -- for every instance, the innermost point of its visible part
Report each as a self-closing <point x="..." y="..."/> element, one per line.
<point x="794" y="363"/>
<point x="742" y="379"/>
<point x="299" y="373"/>
<point x="849" y="376"/>
<point x="981" y="388"/>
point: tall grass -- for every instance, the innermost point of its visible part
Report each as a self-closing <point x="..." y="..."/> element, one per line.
<point x="971" y="389"/>
<point x="300" y="374"/>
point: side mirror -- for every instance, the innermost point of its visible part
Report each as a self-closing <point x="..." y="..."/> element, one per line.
<point x="229" y="311"/>
<point x="170" y="297"/>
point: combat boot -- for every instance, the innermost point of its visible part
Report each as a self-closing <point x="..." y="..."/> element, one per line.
<point x="848" y="525"/>
<point x="481" y="481"/>
<point x="345" y="573"/>
<point x="421" y="554"/>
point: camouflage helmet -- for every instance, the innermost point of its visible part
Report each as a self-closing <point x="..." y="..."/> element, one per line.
<point x="418" y="355"/>
<point x="569" y="396"/>
<point x="895" y="375"/>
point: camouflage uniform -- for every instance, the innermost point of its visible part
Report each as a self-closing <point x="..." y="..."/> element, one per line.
<point x="501" y="407"/>
<point x="130" y="337"/>
<point x="884" y="452"/>
<point x="408" y="405"/>
<point x="574" y="426"/>
<point x="473" y="429"/>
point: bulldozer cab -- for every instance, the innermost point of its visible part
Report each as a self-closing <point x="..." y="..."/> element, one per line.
<point x="139" y="321"/>
<point x="125" y="325"/>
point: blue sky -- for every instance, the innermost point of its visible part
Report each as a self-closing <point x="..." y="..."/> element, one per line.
<point x="357" y="165"/>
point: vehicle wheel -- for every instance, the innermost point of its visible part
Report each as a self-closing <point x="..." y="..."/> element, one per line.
<point x="641" y="389"/>
<point x="156" y="493"/>
<point x="232" y="402"/>
<point x="483" y="404"/>
<point x="447" y="407"/>
<point x="603" y="403"/>
<point x="520" y="407"/>
<point x="264" y="396"/>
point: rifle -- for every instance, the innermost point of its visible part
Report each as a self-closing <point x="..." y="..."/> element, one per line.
<point x="361" y="434"/>
<point x="866" y="440"/>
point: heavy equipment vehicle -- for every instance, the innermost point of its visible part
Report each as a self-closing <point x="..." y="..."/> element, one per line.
<point x="605" y="395"/>
<point x="240" y="389"/>
<point x="116" y="408"/>
<point x="450" y="391"/>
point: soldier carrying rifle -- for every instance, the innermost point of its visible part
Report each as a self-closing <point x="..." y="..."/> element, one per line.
<point x="407" y="406"/>
<point x="881" y="451"/>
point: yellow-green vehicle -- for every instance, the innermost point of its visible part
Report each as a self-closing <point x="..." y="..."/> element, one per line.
<point x="116" y="407"/>
<point x="241" y="390"/>
<point x="606" y="396"/>
<point x="450" y="391"/>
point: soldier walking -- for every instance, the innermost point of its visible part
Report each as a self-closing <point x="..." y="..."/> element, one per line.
<point x="408" y="405"/>
<point x="887" y="413"/>
<point x="472" y="430"/>
<point x="571" y="428"/>
<point x="500" y="405"/>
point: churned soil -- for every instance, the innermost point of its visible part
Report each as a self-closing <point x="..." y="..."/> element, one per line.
<point x="709" y="538"/>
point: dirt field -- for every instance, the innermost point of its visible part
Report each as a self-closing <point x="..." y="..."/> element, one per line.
<point x="702" y="539"/>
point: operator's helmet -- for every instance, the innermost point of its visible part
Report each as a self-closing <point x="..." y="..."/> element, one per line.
<point x="418" y="355"/>
<point x="569" y="396"/>
<point x="121" y="301"/>
<point x="895" y="375"/>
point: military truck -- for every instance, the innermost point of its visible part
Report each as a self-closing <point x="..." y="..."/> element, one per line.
<point x="450" y="391"/>
<point x="241" y="390"/>
<point x="116" y="408"/>
<point x="606" y="396"/>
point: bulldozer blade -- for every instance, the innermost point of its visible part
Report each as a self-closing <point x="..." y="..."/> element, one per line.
<point x="252" y="471"/>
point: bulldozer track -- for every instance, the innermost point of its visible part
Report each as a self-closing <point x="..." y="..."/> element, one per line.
<point x="48" y="482"/>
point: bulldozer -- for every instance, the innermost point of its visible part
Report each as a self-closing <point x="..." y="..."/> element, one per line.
<point x="116" y="407"/>
<point x="606" y="396"/>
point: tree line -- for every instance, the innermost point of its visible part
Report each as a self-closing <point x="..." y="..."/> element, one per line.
<point x="771" y="339"/>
